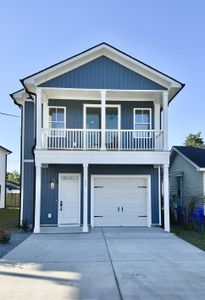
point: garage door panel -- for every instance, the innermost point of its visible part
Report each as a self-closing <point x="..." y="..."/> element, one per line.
<point x="120" y="201"/>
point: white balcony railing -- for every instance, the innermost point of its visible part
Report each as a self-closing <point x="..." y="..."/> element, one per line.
<point x="90" y="139"/>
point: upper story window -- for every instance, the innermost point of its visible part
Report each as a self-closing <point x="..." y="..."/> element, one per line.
<point x="142" y="119"/>
<point x="56" y="117"/>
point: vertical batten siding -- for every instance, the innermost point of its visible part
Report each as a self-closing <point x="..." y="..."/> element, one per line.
<point x="127" y="111"/>
<point x="49" y="197"/>
<point x="28" y="194"/>
<point x="29" y="130"/>
<point x="130" y="170"/>
<point x="192" y="180"/>
<point x="74" y="111"/>
<point x="103" y="73"/>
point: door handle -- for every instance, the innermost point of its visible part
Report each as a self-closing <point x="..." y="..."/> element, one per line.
<point x="118" y="209"/>
<point x="122" y="209"/>
<point x="61" y="205"/>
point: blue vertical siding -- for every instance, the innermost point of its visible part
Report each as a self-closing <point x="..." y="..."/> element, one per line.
<point x="74" y="111"/>
<point x="49" y="198"/>
<point x="29" y="130"/>
<point x="28" y="193"/>
<point x="103" y="73"/>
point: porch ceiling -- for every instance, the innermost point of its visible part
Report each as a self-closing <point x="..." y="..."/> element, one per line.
<point x="86" y="94"/>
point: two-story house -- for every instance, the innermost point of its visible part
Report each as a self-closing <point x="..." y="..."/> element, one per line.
<point x="95" y="142"/>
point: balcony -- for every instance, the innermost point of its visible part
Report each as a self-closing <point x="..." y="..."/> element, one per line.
<point x="96" y="139"/>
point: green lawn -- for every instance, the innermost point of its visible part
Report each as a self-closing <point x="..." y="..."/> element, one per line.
<point x="9" y="218"/>
<point x="196" y="238"/>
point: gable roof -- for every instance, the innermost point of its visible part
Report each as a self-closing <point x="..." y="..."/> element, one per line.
<point x="103" y="49"/>
<point x="196" y="156"/>
<point x="5" y="150"/>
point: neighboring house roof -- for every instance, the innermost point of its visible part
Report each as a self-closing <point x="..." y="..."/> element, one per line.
<point x="103" y="49"/>
<point x="5" y="150"/>
<point x="12" y="185"/>
<point x="196" y="156"/>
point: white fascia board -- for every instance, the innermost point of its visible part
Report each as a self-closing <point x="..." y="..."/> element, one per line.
<point x="201" y="169"/>
<point x="187" y="159"/>
<point x="102" y="157"/>
<point x="94" y="94"/>
<point x="20" y="96"/>
<point x="123" y="59"/>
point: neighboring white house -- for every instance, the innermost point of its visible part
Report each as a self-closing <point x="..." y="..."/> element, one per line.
<point x="3" y="164"/>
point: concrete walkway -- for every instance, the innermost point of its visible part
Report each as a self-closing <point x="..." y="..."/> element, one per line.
<point x="108" y="263"/>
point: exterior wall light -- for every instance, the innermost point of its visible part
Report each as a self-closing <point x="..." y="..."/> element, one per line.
<point x="52" y="184"/>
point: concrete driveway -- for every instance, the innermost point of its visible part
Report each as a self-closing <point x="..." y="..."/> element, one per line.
<point x="107" y="263"/>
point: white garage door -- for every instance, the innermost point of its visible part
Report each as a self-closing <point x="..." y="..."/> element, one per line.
<point x="120" y="201"/>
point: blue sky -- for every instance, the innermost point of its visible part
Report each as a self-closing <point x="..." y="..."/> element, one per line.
<point x="168" y="35"/>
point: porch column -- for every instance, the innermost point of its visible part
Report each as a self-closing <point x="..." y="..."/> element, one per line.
<point x="85" y="197"/>
<point x="166" y="198"/>
<point x="165" y="119"/>
<point x="157" y="136"/>
<point x="37" y="199"/>
<point x="38" y="118"/>
<point x="103" y="113"/>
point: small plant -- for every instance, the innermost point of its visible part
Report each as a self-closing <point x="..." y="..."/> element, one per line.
<point x="4" y="236"/>
<point x="195" y="212"/>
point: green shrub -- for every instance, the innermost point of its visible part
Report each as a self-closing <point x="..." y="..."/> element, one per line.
<point x="4" y="236"/>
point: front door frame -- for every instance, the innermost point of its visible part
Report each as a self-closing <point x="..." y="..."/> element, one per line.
<point x="149" y="203"/>
<point x="79" y="200"/>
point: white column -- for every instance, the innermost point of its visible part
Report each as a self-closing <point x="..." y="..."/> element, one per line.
<point x="165" y="119"/>
<point x="166" y="197"/>
<point x="103" y="114"/>
<point x="85" y="197"/>
<point x="159" y="195"/>
<point x="38" y="118"/>
<point x="38" y="199"/>
<point x="157" y="135"/>
<point x="44" y="135"/>
<point x="156" y="115"/>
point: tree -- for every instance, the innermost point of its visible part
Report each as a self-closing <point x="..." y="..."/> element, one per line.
<point x="13" y="176"/>
<point x="194" y="140"/>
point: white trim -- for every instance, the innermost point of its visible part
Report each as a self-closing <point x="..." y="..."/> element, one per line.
<point x="59" y="189"/>
<point x="56" y="107"/>
<point x="99" y="105"/>
<point x="149" y="208"/>
<point x="103" y="118"/>
<point x="85" y="197"/>
<point x="38" y="117"/>
<point x="156" y="115"/>
<point x="89" y="55"/>
<point x="165" y="119"/>
<point x="159" y="195"/>
<point x="102" y="157"/>
<point x="166" y="197"/>
<point x="22" y="162"/>
<point x="37" y="199"/>
<point x="28" y="160"/>
<point x="142" y="109"/>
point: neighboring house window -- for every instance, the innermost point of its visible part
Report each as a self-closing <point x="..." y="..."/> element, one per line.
<point x="56" y="117"/>
<point x="142" y="119"/>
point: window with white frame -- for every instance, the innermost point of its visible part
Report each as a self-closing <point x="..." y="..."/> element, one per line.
<point x="142" y="119"/>
<point x="56" y="117"/>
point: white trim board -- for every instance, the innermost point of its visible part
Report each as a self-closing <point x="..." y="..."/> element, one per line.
<point x="95" y="52"/>
<point x="149" y="208"/>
